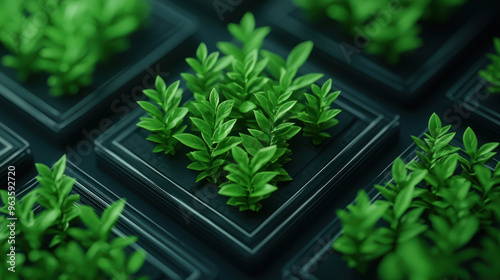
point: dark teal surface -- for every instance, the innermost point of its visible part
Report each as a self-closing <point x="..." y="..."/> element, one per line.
<point x="413" y="121"/>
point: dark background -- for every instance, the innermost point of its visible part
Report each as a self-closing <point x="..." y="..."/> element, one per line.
<point x="413" y="121"/>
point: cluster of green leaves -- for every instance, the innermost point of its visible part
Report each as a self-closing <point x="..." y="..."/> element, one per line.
<point x="319" y="116"/>
<point x="492" y="73"/>
<point x="439" y="216"/>
<point x="389" y="29"/>
<point x="66" y="39"/>
<point x="58" y="238"/>
<point x="247" y="184"/>
<point x="213" y="147"/>
<point x="262" y="103"/>
<point x="166" y="119"/>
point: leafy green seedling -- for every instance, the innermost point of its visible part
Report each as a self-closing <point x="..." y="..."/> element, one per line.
<point x="208" y="70"/>
<point x="67" y="39"/>
<point x="213" y="147"/>
<point x="437" y="217"/>
<point x="166" y="119"/>
<point x="273" y="125"/>
<point x="492" y="73"/>
<point x="57" y="238"/>
<point x="247" y="184"/>
<point x="318" y="116"/>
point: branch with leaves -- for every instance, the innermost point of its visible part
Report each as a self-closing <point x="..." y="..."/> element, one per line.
<point x="492" y="73"/>
<point x="247" y="184"/>
<point x="318" y="115"/>
<point x="213" y="146"/>
<point x="65" y="239"/>
<point x="166" y="119"/>
<point x="208" y="69"/>
<point x="435" y="217"/>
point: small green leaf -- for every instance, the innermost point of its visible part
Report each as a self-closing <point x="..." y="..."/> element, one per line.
<point x="224" y="110"/>
<point x="262" y="157"/>
<point x="160" y="84"/>
<point x="191" y="141"/>
<point x="110" y="217"/>
<point x="283" y="109"/>
<point x="403" y="200"/>
<point x="150" y="108"/>
<point x="305" y="81"/>
<point x="59" y="168"/>
<point x="434" y="125"/>
<point x="263" y="122"/>
<point x="202" y="52"/>
<point x="298" y="56"/>
<point x="470" y="141"/>
<point x="247" y="106"/>
<point x="266" y="189"/>
<point x="232" y="190"/>
<point x="223" y="131"/>
<point x="151" y="124"/>
<point x="240" y="156"/>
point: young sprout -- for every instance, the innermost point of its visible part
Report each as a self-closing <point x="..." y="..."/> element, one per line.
<point x="213" y="147"/>
<point x="318" y="115"/>
<point x="247" y="185"/>
<point x="166" y="119"/>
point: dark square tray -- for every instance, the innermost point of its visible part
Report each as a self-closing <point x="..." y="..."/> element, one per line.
<point x="473" y="99"/>
<point x="248" y="237"/>
<point x="14" y="151"/>
<point x="443" y="45"/>
<point x="317" y="260"/>
<point x="167" y="257"/>
<point x="61" y="117"/>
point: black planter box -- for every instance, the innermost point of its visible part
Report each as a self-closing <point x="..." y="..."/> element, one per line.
<point x="317" y="260"/>
<point x="248" y="237"/>
<point x="473" y="99"/>
<point x="443" y="44"/>
<point x="167" y="257"/>
<point x="14" y="151"/>
<point x="60" y="117"/>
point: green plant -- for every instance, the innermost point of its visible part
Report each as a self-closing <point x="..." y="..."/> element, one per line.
<point x="66" y="39"/>
<point x="492" y="73"/>
<point x="247" y="183"/>
<point x="261" y="99"/>
<point x="166" y="120"/>
<point x="58" y="238"/>
<point x="318" y="116"/>
<point x="439" y="217"/>
<point x="213" y="147"/>
<point x="389" y="29"/>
